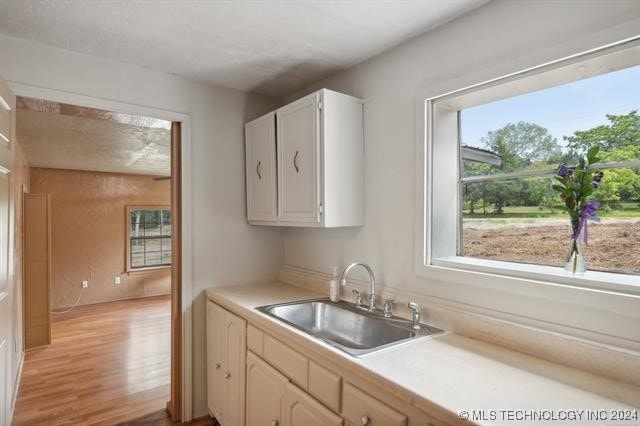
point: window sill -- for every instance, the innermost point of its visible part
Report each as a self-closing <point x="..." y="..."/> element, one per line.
<point x="607" y="281"/>
<point x="147" y="270"/>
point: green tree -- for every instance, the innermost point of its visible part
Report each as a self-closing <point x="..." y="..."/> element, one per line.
<point x="618" y="141"/>
<point x="622" y="131"/>
<point x="621" y="184"/>
<point x="522" y="144"/>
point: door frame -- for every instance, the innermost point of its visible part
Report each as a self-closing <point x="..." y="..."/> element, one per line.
<point x="185" y="349"/>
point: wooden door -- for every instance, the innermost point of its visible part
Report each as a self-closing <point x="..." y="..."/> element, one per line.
<point x="302" y="410"/>
<point x="215" y="359"/>
<point x="298" y="126"/>
<point x="7" y="288"/>
<point x="260" y="145"/>
<point x="265" y="393"/>
<point x="37" y="268"/>
<point x="235" y="334"/>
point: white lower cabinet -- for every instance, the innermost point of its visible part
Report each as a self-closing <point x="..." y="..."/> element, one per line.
<point x="265" y="393"/>
<point x="273" y="384"/>
<point x="359" y="408"/>
<point x="226" y="363"/>
<point x="302" y="410"/>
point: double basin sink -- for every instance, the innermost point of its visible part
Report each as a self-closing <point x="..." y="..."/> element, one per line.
<point x="352" y="329"/>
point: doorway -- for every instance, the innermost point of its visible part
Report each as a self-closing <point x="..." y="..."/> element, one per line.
<point x="150" y="249"/>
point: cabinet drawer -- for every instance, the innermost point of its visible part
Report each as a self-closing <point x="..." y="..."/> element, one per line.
<point x="325" y="386"/>
<point x="255" y="340"/>
<point x="357" y="404"/>
<point x="289" y="362"/>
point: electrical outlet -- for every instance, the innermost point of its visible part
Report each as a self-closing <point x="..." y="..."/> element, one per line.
<point x="85" y="284"/>
<point x="116" y="280"/>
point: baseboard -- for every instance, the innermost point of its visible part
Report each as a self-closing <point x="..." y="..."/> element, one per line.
<point x="16" y="386"/>
<point x="619" y="364"/>
<point x="150" y="296"/>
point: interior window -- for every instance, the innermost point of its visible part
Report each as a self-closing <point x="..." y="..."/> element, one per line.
<point x="149" y="237"/>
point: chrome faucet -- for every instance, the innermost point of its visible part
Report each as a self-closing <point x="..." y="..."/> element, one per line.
<point x="416" y="315"/>
<point x="372" y="297"/>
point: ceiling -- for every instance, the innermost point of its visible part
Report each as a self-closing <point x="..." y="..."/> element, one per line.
<point x="61" y="136"/>
<point x="271" y="47"/>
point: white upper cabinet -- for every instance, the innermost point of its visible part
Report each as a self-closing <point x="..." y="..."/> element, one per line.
<point x="260" y="145"/>
<point x="320" y="163"/>
<point x="298" y="160"/>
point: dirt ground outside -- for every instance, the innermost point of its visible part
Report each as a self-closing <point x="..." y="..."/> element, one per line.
<point x="614" y="245"/>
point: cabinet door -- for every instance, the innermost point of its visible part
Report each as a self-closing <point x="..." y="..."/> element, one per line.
<point x="235" y="361"/>
<point x="260" y="144"/>
<point x="265" y="393"/>
<point x="302" y="410"/>
<point x="359" y="408"/>
<point x="215" y="359"/>
<point x="298" y="160"/>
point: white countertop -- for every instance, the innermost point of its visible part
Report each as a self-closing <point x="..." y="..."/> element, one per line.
<point x="452" y="373"/>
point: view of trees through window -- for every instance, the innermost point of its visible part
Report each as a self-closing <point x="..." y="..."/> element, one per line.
<point x="150" y="237"/>
<point x="510" y="152"/>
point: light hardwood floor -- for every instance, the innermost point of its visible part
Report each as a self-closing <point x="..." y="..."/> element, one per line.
<point x="161" y="418"/>
<point x="107" y="364"/>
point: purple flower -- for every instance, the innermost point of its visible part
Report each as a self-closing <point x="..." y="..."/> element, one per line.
<point x="563" y="170"/>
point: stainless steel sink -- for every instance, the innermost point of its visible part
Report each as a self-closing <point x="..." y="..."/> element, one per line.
<point x="342" y="325"/>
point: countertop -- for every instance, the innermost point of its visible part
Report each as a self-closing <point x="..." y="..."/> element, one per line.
<point x="452" y="373"/>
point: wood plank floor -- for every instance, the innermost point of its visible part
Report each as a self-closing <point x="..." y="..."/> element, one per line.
<point x="107" y="364"/>
<point x="161" y="418"/>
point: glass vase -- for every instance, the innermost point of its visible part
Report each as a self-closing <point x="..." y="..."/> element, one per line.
<point x="575" y="260"/>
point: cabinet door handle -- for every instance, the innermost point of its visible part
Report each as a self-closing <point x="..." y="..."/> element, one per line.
<point x="364" y="420"/>
<point x="258" y="169"/>
<point x="295" y="162"/>
<point x="217" y="366"/>
<point x="227" y="375"/>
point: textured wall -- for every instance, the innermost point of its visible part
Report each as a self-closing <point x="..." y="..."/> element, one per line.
<point x="88" y="234"/>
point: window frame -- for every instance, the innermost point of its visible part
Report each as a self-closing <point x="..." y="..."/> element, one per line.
<point x="438" y="225"/>
<point x="129" y="209"/>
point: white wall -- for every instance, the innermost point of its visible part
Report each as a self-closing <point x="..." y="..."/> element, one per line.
<point x="225" y="249"/>
<point x="494" y="40"/>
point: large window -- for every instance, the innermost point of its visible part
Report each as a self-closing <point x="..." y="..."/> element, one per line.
<point x="512" y="147"/>
<point x="507" y="140"/>
<point x="149" y="237"/>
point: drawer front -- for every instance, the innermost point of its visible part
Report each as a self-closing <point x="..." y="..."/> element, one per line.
<point x="255" y="340"/>
<point x="325" y="386"/>
<point x="358" y="404"/>
<point x="287" y="361"/>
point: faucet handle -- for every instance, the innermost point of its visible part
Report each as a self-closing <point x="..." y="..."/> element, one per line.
<point x="358" y="297"/>
<point x="386" y="307"/>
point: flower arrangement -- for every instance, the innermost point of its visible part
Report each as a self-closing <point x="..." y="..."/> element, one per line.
<point x="576" y="185"/>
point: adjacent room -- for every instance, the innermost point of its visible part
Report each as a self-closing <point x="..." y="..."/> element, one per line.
<point x="320" y="212"/>
<point x="97" y="263"/>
